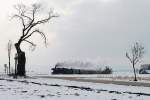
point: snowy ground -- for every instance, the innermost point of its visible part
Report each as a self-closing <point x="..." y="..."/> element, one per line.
<point x="115" y="76"/>
<point x="57" y="89"/>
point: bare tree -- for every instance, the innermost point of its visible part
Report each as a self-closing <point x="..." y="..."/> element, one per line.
<point x="29" y="17"/>
<point x="135" y="56"/>
<point x="9" y="47"/>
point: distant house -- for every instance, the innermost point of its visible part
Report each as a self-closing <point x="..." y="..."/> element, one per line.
<point x="145" y="69"/>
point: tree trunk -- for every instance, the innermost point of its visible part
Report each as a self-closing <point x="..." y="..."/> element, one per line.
<point x="21" y="61"/>
<point x="9" y="65"/>
<point x="135" y="79"/>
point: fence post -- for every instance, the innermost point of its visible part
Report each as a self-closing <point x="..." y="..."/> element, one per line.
<point x="16" y="62"/>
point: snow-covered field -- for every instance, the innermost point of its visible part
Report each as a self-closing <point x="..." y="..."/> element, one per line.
<point x="123" y="76"/>
<point x="57" y="89"/>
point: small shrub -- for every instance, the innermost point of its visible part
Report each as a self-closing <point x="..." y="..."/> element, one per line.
<point x="107" y="70"/>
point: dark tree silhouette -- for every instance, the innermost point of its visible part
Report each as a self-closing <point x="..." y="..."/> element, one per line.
<point x="9" y="47"/>
<point x="29" y="17"/>
<point x="136" y="54"/>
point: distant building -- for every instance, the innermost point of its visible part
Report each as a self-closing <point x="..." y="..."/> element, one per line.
<point x="145" y="69"/>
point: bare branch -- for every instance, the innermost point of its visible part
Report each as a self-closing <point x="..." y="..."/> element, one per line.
<point x="50" y="16"/>
<point x="30" y="42"/>
<point x="35" y="7"/>
<point x="30" y="19"/>
<point x="136" y="61"/>
<point x="31" y="25"/>
<point x="42" y="34"/>
<point x="32" y="46"/>
<point x="21" y="18"/>
<point x="137" y="52"/>
<point x="21" y="8"/>
<point x="127" y="55"/>
<point x="39" y="32"/>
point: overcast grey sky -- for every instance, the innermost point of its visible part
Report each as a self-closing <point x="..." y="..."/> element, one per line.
<point x="100" y="31"/>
